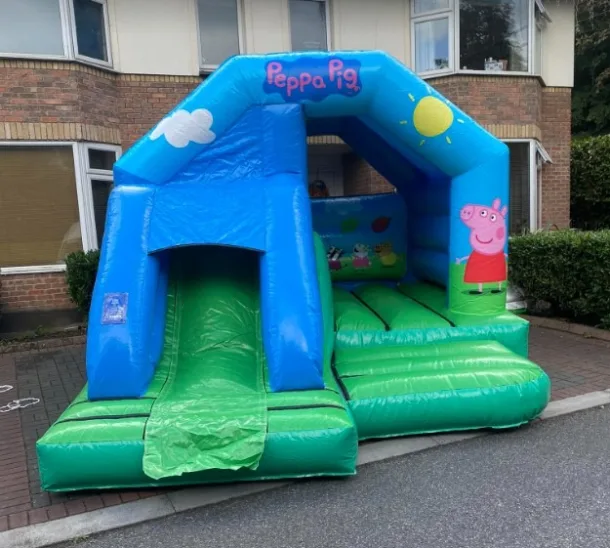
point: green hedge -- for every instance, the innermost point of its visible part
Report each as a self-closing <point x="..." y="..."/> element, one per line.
<point x="81" y="271"/>
<point x="590" y="183"/>
<point x="568" y="269"/>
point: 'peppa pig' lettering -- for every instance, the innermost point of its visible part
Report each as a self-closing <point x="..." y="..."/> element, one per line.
<point x="312" y="78"/>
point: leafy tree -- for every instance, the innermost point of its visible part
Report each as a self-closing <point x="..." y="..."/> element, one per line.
<point x="591" y="99"/>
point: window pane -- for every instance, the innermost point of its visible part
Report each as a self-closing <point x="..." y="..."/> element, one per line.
<point x="425" y="6"/>
<point x="519" y="214"/>
<point x="494" y="35"/>
<point x="39" y="220"/>
<point x="218" y="30"/>
<point x="101" y="192"/>
<point x="308" y="25"/>
<point x="432" y="45"/>
<point x="101" y="159"/>
<point x="30" y="26"/>
<point x="90" y="29"/>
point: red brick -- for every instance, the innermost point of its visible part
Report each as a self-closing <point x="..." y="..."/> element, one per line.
<point x="93" y="503"/>
<point x="38" y="516"/>
<point x="129" y="496"/>
<point x="57" y="511"/>
<point x="111" y="499"/>
<point x="3" y="524"/>
<point x="75" y="507"/>
<point x="17" y="520"/>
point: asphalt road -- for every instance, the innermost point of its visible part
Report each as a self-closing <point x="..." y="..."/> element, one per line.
<point x="544" y="486"/>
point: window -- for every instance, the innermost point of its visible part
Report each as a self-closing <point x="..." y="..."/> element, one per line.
<point x="500" y="36"/>
<point x="308" y="25"/>
<point x="57" y="29"/>
<point x="519" y="216"/>
<point x="53" y="200"/>
<point x="90" y="23"/>
<point x="219" y="31"/>
<point x="99" y="160"/>
<point x="39" y="215"/>
<point x="494" y="35"/>
<point x="31" y="27"/>
<point x="526" y="160"/>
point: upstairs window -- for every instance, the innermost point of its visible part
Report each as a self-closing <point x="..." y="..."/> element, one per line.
<point x="55" y="29"/>
<point x="500" y="36"/>
<point x="219" y="31"/>
<point x="308" y="25"/>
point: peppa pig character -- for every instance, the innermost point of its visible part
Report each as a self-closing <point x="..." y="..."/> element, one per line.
<point x="334" y="258"/>
<point x="360" y="256"/>
<point x="487" y="262"/>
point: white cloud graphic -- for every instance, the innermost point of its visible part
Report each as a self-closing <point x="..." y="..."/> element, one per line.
<point x="183" y="127"/>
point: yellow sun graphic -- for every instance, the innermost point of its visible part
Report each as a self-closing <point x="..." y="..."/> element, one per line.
<point x="432" y="117"/>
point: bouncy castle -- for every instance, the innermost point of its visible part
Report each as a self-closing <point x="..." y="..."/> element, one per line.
<point x="242" y="330"/>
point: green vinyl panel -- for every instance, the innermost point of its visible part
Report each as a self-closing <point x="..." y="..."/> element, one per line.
<point x="397" y="310"/>
<point x="352" y="315"/>
<point x="211" y="413"/>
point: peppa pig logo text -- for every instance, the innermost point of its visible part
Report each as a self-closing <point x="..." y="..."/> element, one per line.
<point x="313" y="79"/>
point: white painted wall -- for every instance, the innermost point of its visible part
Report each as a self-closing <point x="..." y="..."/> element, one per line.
<point x="154" y="36"/>
<point x="558" y="44"/>
<point x="364" y="24"/>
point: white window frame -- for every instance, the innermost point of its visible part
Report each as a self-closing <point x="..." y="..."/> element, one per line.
<point x="69" y="40"/>
<point x="327" y="23"/>
<point x="446" y="13"/>
<point x="453" y="12"/>
<point x="207" y="68"/>
<point x="538" y="156"/>
<point x="83" y="176"/>
<point x="85" y="58"/>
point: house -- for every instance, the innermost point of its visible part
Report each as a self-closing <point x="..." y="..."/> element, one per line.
<point x="81" y="80"/>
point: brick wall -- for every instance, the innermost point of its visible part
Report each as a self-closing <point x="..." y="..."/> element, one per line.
<point x="556" y="137"/>
<point x="23" y="292"/>
<point x="359" y="177"/>
<point x="144" y="100"/>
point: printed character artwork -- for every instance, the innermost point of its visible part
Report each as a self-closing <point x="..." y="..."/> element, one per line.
<point x="360" y="256"/>
<point x="318" y="189"/>
<point x="114" y="308"/>
<point x="386" y="254"/>
<point x="488" y="234"/>
<point x="334" y="258"/>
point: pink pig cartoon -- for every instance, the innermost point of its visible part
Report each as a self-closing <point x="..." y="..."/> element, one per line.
<point x="487" y="262"/>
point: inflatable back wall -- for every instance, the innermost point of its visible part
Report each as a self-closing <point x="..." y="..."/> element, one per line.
<point x="364" y="236"/>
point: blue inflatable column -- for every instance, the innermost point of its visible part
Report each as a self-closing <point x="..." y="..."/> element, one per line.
<point x="290" y="297"/>
<point x="124" y="331"/>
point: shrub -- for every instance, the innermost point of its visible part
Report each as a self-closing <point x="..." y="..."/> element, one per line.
<point x="568" y="269"/>
<point x="81" y="271"/>
<point x="590" y="183"/>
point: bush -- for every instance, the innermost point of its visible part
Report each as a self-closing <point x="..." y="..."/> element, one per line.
<point x="81" y="271"/>
<point x="568" y="269"/>
<point x="590" y="183"/>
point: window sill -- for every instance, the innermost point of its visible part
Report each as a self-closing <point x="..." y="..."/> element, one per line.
<point x="81" y="60"/>
<point x="501" y="73"/>
<point x="43" y="269"/>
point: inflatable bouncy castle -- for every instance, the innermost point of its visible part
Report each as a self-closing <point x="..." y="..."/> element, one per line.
<point x="242" y="330"/>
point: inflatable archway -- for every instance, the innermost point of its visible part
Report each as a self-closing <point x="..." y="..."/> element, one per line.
<point x="236" y="321"/>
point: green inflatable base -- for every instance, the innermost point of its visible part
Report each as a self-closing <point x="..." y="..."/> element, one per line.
<point x="434" y="388"/>
<point x="302" y="440"/>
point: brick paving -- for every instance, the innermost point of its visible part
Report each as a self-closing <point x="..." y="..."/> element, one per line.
<point x="576" y="365"/>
